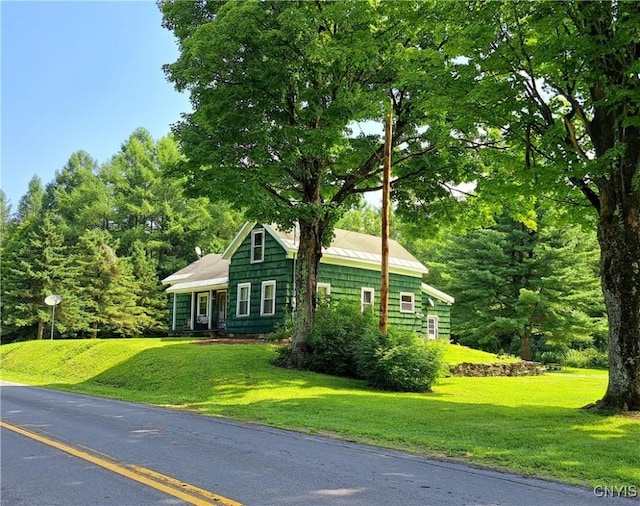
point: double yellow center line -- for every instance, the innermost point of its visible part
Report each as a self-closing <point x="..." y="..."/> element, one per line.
<point x="176" y="488"/>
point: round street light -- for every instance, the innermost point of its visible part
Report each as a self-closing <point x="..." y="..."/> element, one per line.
<point x="53" y="301"/>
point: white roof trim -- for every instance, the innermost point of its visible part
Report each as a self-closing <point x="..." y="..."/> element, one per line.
<point x="205" y="283"/>
<point x="237" y="240"/>
<point x="175" y="277"/>
<point x="285" y="244"/>
<point x="369" y="265"/>
<point x="434" y="292"/>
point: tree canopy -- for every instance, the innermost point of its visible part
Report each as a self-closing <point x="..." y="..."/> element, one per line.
<point x="559" y="83"/>
<point x="102" y="237"/>
<point x="283" y="94"/>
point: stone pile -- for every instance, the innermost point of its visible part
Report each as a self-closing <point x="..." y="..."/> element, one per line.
<point x="523" y="368"/>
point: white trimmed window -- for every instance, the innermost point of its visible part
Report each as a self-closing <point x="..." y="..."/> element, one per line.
<point x="323" y="293"/>
<point x="407" y="302"/>
<point x="244" y="299"/>
<point x="268" y="298"/>
<point x="367" y="299"/>
<point x="203" y="308"/>
<point x="257" y="245"/>
<point x="432" y="327"/>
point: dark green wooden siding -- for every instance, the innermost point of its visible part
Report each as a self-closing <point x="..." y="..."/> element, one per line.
<point x="440" y="309"/>
<point x="274" y="267"/>
<point x="183" y="310"/>
<point x="347" y="283"/>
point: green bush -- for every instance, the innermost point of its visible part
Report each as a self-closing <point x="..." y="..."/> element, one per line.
<point x="552" y="357"/>
<point x="587" y="358"/>
<point x="346" y="342"/>
<point x="334" y="338"/>
<point x="400" y="361"/>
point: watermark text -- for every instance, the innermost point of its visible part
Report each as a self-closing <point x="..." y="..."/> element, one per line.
<point x="616" y="491"/>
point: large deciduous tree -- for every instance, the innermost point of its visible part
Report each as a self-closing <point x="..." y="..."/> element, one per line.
<point x="562" y="80"/>
<point x="280" y="91"/>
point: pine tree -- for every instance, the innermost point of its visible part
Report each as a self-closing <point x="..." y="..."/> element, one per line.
<point x="511" y="281"/>
<point x="37" y="264"/>
<point x="150" y="296"/>
<point x="81" y="199"/>
<point x="108" y="292"/>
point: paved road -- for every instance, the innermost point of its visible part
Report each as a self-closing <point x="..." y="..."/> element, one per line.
<point x="251" y="464"/>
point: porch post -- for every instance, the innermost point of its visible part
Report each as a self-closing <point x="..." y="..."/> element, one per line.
<point x="173" y="314"/>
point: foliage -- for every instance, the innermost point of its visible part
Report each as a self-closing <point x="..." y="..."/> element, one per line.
<point x="556" y="84"/>
<point x="347" y="342"/>
<point x="364" y="218"/>
<point x="520" y="289"/>
<point x="109" y="300"/>
<point x="334" y="338"/>
<point x="588" y="358"/>
<point x="35" y="265"/>
<point x="102" y="237"/>
<point x="400" y="361"/>
<point x="280" y="93"/>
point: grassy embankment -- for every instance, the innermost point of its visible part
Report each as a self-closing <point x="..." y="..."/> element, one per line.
<point x="531" y="425"/>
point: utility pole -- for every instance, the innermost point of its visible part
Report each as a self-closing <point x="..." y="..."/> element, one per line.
<point x="386" y="192"/>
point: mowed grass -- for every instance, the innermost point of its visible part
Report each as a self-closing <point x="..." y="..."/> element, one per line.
<point x="531" y="425"/>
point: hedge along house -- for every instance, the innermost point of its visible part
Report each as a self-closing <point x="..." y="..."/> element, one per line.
<point x="250" y="288"/>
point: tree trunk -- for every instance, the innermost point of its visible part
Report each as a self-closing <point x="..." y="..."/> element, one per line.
<point x="308" y="260"/>
<point x="619" y="237"/>
<point x="94" y="330"/>
<point x="40" y="329"/>
<point x="525" y="347"/>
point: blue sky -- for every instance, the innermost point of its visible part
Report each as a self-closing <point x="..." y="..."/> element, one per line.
<point x="80" y="75"/>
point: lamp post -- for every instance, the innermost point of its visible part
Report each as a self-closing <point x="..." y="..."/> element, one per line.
<point x="53" y="301"/>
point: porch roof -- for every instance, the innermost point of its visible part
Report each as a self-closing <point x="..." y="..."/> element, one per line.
<point x="209" y="272"/>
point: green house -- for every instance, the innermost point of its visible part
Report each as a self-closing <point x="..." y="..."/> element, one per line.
<point x="250" y="288"/>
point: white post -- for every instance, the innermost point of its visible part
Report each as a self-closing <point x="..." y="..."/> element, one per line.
<point x="53" y="318"/>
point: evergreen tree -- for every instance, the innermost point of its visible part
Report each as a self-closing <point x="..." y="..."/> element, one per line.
<point x="5" y="212"/>
<point x="30" y="207"/>
<point x="79" y="197"/>
<point x="511" y="281"/>
<point x="36" y="264"/>
<point x="150" y="296"/>
<point x="132" y="202"/>
<point x="152" y="208"/>
<point x="108" y="292"/>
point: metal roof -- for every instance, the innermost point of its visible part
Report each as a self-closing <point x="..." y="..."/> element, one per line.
<point x="208" y="271"/>
<point x="347" y="248"/>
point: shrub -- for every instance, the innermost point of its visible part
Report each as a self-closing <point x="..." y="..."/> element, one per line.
<point x="587" y="358"/>
<point x="334" y="338"/>
<point x="283" y="330"/>
<point x="400" y="361"/>
<point x="552" y="357"/>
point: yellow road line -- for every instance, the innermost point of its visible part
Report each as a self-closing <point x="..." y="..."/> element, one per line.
<point x="184" y="491"/>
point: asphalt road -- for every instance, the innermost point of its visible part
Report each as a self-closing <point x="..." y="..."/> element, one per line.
<point x="250" y="464"/>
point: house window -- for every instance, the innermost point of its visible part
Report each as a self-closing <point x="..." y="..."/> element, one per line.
<point x="257" y="246"/>
<point x="323" y="293"/>
<point x="244" y="296"/>
<point x="432" y="327"/>
<point x="366" y="299"/>
<point x="203" y="308"/>
<point x="268" y="298"/>
<point x="407" y="302"/>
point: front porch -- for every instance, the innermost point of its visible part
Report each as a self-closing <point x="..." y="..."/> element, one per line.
<point x="202" y="313"/>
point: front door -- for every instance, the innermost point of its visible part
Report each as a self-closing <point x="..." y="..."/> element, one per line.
<point x="221" y="300"/>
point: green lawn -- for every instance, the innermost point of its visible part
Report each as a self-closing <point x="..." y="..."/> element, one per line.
<point x="531" y="425"/>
